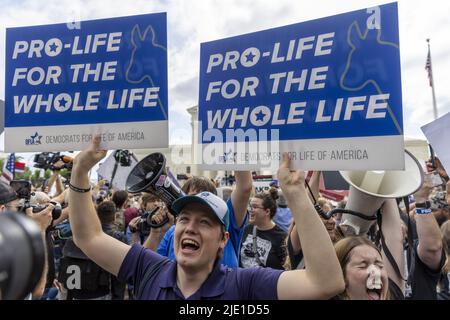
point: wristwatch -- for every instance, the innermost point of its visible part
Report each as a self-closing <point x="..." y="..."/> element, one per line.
<point x="425" y="205"/>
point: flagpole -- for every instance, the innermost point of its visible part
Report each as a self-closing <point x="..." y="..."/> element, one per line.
<point x="435" y="112"/>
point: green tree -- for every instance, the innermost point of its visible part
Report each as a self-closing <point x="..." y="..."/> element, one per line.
<point x="25" y="175"/>
<point x="64" y="172"/>
<point x="47" y="174"/>
<point x="35" y="177"/>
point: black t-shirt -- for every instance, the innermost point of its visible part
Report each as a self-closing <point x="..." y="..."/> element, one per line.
<point x="295" y="258"/>
<point x="270" y="248"/>
<point x="423" y="280"/>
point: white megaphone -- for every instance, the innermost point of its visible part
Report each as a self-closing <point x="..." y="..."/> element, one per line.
<point x="369" y="190"/>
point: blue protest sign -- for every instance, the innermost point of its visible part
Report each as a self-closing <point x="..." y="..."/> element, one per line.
<point x="328" y="91"/>
<point x="66" y="82"/>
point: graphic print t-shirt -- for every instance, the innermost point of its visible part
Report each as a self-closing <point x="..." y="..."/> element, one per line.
<point x="270" y="247"/>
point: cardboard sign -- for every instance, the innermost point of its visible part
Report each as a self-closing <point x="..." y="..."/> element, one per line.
<point x="106" y="171"/>
<point x="66" y="82"/>
<point x="437" y="133"/>
<point x="262" y="185"/>
<point x="328" y="91"/>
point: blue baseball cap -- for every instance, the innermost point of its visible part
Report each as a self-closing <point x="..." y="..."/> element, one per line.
<point x="213" y="202"/>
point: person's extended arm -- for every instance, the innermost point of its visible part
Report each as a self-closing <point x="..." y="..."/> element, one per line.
<point x="323" y="277"/>
<point x="61" y="198"/>
<point x="51" y="181"/>
<point x="295" y="240"/>
<point x="104" y="250"/>
<point x="314" y="184"/>
<point x="155" y="237"/>
<point x="157" y="234"/>
<point x="391" y="227"/>
<point x="241" y="195"/>
<point x="59" y="184"/>
<point x="43" y="219"/>
<point x="429" y="248"/>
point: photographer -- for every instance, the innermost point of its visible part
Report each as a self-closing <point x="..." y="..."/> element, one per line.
<point x="54" y="162"/>
<point x="55" y="178"/>
<point x="8" y="198"/>
<point x="9" y="201"/>
<point x="120" y="199"/>
<point x="41" y="202"/>
<point x="200" y="238"/>
<point x="139" y="227"/>
<point x="44" y="219"/>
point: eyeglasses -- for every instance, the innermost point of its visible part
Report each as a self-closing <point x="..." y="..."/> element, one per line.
<point x="252" y="207"/>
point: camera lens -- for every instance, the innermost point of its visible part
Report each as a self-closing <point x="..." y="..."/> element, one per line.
<point x="56" y="212"/>
<point x="22" y="255"/>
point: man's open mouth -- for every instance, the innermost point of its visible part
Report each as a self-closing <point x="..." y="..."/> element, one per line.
<point x="190" y="244"/>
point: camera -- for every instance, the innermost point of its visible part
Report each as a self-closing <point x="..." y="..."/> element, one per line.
<point x="123" y="157"/>
<point x="56" y="212"/>
<point x="22" y="188"/>
<point x="23" y="191"/>
<point x="145" y="222"/>
<point x="47" y="160"/>
<point x="22" y="255"/>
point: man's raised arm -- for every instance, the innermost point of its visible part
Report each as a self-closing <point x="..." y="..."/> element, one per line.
<point x="87" y="232"/>
<point x="241" y="195"/>
<point x="322" y="277"/>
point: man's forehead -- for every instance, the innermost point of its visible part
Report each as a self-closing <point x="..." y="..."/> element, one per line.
<point x="198" y="210"/>
<point x="195" y="208"/>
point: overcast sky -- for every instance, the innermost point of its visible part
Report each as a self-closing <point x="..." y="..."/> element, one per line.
<point x="192" y="22"/>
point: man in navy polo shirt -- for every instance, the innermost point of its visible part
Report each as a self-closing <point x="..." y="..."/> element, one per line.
<point x="162" y="242"/>
<point x="236" y="220"/>
<point x="199" y="240"/>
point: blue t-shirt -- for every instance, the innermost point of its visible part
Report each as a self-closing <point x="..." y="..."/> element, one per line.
<point x="222" y="283"/>
<point x="232" y="248"/>
<point x="283" y="218"/>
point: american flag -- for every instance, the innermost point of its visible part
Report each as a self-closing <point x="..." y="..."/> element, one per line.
<point x="19" y="167"/>
<point x="8" y="168"/>
<point x="428" y="68"/>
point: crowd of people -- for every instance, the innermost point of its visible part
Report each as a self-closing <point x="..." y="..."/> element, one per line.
<point x="234" y="243"/>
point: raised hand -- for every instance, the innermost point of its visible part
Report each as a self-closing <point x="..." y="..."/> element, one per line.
<point x="86" y="159"/>
<point x="290" y="181"/>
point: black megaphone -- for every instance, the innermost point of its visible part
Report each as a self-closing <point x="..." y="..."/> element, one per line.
<point x="150" y="175"/>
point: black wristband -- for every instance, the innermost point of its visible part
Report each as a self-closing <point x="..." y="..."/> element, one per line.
<point x="424" y="205"/>
<point x="76" y="189"/>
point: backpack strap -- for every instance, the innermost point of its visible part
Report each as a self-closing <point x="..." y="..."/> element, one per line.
<point x="150" y="273"/>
